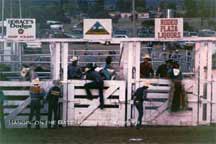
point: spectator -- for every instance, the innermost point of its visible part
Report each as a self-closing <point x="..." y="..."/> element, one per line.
<point x="97" y="83"/>
<point x="27" y="73"/>
<point x="164" y="69"/>
<point x="36" y="94"/>
<point x="178" y="98"/>
<point x="108" y="72"/>
<point x="2" y="109"/>
<point x="146" y="70"/>
<point x="74" y="71"/>
<point x="52" y="97"/>
<point x="140" y="96"/>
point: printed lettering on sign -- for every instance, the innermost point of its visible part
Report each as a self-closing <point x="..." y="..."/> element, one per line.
<point x="169" y="28"/>
<point x="21" y="29"/>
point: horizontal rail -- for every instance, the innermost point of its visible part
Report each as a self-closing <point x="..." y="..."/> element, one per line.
<point x="66" y="40"/>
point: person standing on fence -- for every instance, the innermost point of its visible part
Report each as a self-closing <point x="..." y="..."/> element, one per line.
<point x="2" y="109"/>
<point x="36" y="94"/>
<point x="146" y="70"/>
<point x="97" y="83"/>
<point x="139" y="97"/>
<point x="52" y="97"/>
<point x="74" y="71"/>
<point x="178" y="97"/>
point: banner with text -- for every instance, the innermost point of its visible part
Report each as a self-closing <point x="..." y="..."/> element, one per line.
<point x="168" y="28"/>
<point x="21" y="29"/>
<point x="97" y="28"/>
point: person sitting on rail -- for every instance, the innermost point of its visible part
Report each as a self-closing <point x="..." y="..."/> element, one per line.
<point x="108" y="73"/>
<point x="146" y="70"/>
<point x="97" y="83"/>
<point x="164" y="69"/>
<point x="74" y="71"/>
<point x="28" y="73"/>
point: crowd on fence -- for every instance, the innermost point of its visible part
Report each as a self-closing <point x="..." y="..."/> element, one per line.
<point x="170" y="70"/>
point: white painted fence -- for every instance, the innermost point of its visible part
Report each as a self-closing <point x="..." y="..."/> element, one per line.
<point x="77" y="110"/>
<point x="84" y="112"/>
<point x="16" y="103"/>
<point x="156" y="107"/>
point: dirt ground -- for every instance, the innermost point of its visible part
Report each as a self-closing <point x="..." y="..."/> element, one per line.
<point x="101" y="135"/>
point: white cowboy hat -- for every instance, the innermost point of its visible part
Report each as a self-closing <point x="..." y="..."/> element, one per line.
<point x="36" y="81"/>
<point x="24" y="71"/>
<point x="146" y="56"/>
<point x="87" y="69"/>
<point x="98" y="69"/>
<point x="74" y="58"/>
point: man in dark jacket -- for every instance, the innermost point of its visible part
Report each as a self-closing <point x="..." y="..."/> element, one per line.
<point x="140" y="96"/>
<point x="97" y="83"/>
<point x="146" y="70"/>
<point x="36" y="94"/>
<point x="2" y="109"/>
<point x="164" y="69"/>
<point x="52" y="97"/>
<point x="74" y="71"/>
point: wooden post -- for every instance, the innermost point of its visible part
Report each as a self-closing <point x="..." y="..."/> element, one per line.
<point x="64" y="62"/>
<point x="55" y="60"/>
<point x="209" y="80"/>
<point x="64" y="58"/>
<point x="132" y="57"/>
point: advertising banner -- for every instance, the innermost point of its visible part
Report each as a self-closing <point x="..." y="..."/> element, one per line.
<point x="168" y="28"/>
<point x="97" y="29"/>
<point x="21" y="29"/>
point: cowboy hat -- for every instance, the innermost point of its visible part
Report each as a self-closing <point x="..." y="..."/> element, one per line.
<point x="36" y="81"/>
<point x="98" y="69"/>
<point x="24" y="71"/>
<point x="74" y="58"/>
<point x="146" y="56"/>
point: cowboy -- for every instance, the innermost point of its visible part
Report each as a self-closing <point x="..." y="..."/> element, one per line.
<point x="36" y="94"/>
<point x="178" y="98"/>
<point x="2" y="109"/>
<point x="74" y="71"/>
<point x="139" y="96"/>
<point x="97" y="83"/>
<point x="28" y="74"/>
<point x="52" y="97"/>
<point x="164" y="69"/>
<point x="107" y="71"/>
<point x="146" y="70"/>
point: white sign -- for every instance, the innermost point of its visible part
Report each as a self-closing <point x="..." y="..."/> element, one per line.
<point x="168" y="28"/>
<point x="33" y="44"/>
<point x="97" y="29"/>
<point x="21" y="29"/>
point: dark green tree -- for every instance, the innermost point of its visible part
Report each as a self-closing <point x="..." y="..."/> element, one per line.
<point x="190" y="7"/>
<point x="124" y="5"/>
<point x="140" y="5"/>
